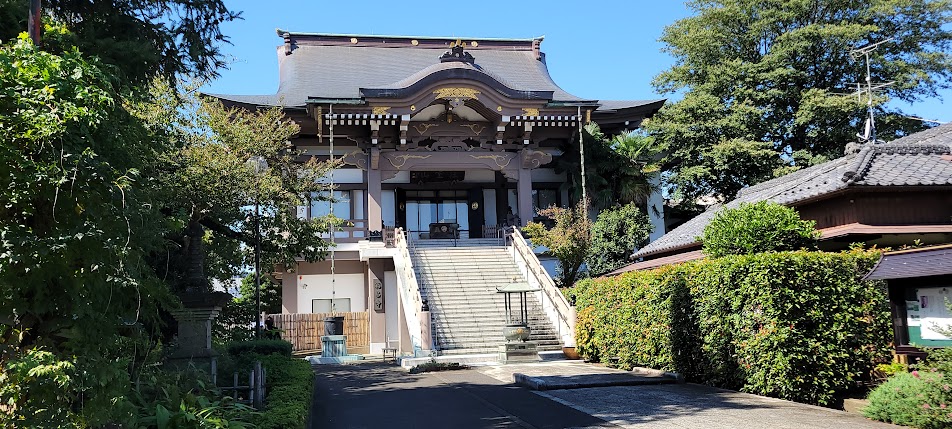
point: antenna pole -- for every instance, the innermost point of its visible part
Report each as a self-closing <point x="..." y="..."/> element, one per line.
<point x="869" y="102"/>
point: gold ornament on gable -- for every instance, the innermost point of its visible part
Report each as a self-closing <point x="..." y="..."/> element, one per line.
<point x="455" y="92"/>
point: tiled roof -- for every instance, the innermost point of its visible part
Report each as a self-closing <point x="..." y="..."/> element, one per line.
<point x="929" y="261"/>
<point x="340" y="71"/>
<point x="607" y="105"/>
<point x="329" y="71"/>
<point x="920" y="159"/>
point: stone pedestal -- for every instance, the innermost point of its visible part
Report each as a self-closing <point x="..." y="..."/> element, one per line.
<point x="194" y="341"/>
<point x="333" y="346"/>
<point x="515" y="352"/>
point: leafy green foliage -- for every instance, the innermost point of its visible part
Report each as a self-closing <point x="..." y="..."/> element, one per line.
<point x="270" y="293"/>
<point x="794" y="325"/>
<point x="616" y="233"/>
<point x="569" y="239"/>
<point x="37" y="381"/>
<point x="140" y="40"/>
<point x="616" y="168"/>
<point x="210" y="189"/>
<point x="763" y="226"/>
<point x="762" y="84"/>
<point x="260" y="347"/>
<point x="290" y="391"/>
<point x="185" y="399"/>
<point x="918" y="399"/>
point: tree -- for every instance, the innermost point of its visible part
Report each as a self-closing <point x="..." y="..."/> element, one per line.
<point x="762" y="84"/>
<point x="142" y="40"/>
<point x="616" y="234"/>
<point x="209" y="190"/>
<point x="617" y="168"/>
<point x="568" y="240"/>
<point x="78" y="303"/>
<point x="759" y="227"/>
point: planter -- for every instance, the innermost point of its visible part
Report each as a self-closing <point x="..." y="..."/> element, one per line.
<point x="570" y="353"/>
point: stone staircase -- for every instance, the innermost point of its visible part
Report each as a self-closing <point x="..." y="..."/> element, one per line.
<point x="459" y="278"/>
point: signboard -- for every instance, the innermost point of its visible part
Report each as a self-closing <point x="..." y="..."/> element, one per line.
<point x="933" y="313"/>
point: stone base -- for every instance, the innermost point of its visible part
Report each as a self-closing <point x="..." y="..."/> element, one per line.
<point x="320" y="360"/>
<point x="333" y="346"/>
<point x="519" y="352"/>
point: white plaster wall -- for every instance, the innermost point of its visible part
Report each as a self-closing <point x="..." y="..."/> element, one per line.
<point x="480" y="176"/>
<point x="345" y="175"/>
<point x="489" y="206"/>
<point x="318" y="286"/>
<point x="656" y="209"/>
<point x="388" y="207"/>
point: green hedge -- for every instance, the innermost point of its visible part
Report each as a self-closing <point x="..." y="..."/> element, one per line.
<point x="261" y="347"/>
<point x="794" y="325"/>
<point x="918" y="399"/>
<point x="290" y="384"/>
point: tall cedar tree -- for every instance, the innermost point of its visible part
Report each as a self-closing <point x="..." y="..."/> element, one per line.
<point x="763" y="84"/>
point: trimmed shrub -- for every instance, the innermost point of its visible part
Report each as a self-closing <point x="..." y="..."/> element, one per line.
<point x="290" y="389"/>
<point x="759" y="227"/>
<point x="917" y="399"/>
<point x="794" y="325"/>
<point x="260" y="347"/>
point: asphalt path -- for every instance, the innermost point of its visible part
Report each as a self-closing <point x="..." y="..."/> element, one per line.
<point x="376" y="395"/>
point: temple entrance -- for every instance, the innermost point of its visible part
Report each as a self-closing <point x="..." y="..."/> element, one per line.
<point x="441" y="214"/>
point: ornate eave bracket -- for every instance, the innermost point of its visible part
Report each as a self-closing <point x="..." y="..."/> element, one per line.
<point x="534" y="158"/>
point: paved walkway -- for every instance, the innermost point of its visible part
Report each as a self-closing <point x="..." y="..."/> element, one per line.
<point x="375" y="395"/>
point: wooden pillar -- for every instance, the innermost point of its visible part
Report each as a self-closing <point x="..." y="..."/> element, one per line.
<point x="524" y="195"/>
<point x="374" y="201"/>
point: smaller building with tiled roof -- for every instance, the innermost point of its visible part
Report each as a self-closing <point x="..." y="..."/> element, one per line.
<point x="886" y="194"/>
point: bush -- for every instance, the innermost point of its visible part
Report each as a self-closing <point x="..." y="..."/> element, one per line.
<point x="794" y="325"/>
<point x="616" y="233"/>
<point x="917" y="399"/>
<point x="259" y="347"/>
<point x="759" y="227"/>
<point x="290" y="390"/>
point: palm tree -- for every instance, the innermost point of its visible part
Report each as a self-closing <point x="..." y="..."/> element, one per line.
<point x="618" y="168"/>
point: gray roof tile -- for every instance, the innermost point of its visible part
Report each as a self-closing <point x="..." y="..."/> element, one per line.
<point x="918" y="159"/>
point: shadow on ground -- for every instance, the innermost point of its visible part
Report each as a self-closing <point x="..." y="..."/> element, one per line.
<point x="374" y="395"/>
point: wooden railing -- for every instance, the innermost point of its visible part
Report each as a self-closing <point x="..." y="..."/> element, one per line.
<point x="410" y="295"/>
<point x="304" y="330"/>
<point x="554" y="303"/>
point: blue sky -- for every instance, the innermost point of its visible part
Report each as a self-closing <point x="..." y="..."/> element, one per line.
<point x="601" y="50"/>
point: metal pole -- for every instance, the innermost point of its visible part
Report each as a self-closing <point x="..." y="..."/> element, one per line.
<point x="581" y="149"/>
<point x="869" y="103"/>
<point x="334" y="227"/>
<point x="257" y="266"/>
<point x="35" y="24"/>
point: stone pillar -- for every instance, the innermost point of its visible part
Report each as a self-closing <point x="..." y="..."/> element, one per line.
<point x="524" y="195"/>
<point x="374" y="201"/>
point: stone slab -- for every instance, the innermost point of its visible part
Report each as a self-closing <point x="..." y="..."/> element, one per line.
<point x="320" y="360"/>
<point x="559" y="382"/>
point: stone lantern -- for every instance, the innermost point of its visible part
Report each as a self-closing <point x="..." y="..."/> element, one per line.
<point x="517" y="348"/>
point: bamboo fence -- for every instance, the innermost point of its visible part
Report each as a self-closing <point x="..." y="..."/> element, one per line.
<point x="304" y="330"/>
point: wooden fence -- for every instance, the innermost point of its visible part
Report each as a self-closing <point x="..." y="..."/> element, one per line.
<point x="304" y="330"/>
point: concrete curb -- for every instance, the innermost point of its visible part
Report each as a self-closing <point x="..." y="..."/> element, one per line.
<point x="588" y="380"/>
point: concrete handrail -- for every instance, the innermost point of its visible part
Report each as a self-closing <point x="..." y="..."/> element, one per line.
<point x="410" y="293"/>
<point x="564" y="314"/>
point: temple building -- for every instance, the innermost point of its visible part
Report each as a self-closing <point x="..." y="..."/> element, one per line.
<point x="445" y="141"/>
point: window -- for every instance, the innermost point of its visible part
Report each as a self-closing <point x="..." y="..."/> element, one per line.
<point x="324" y="305"/>
<point x="342" y="206"/>
<point x="544" y="198"/>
